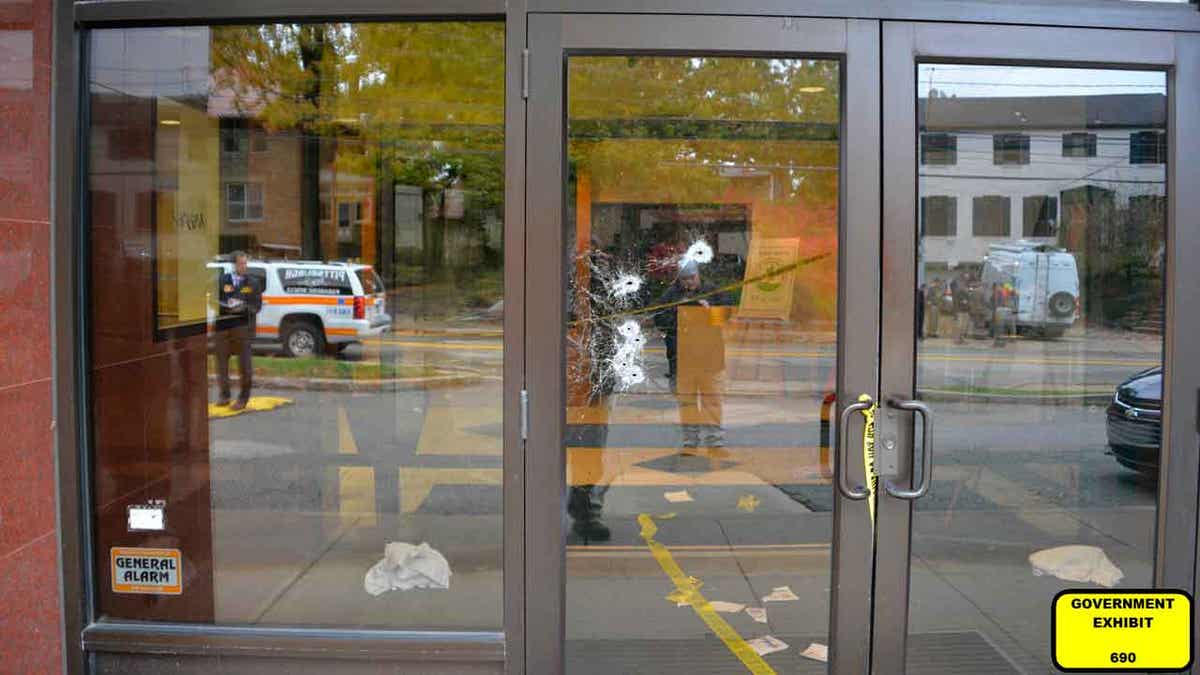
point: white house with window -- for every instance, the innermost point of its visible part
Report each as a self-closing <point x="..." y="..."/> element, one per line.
<point x="1002" y="168"/>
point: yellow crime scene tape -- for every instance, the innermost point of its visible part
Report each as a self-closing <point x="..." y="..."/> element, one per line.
<point x="869" y="454"/>
<point x="687" y="589"/>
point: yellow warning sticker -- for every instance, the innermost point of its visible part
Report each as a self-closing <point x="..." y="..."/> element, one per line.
<point x="1136" y="629"/>
<point x="146" y="570"/>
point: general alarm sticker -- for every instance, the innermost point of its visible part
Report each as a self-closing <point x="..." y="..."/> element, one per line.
<point x="157" y="571"/>
<point x="1112" y="630"/>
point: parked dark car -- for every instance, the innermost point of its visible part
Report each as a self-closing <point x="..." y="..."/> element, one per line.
<point x="1135" y="421"/>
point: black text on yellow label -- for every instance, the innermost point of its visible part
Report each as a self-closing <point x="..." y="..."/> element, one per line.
<point x="1137" y="629"/>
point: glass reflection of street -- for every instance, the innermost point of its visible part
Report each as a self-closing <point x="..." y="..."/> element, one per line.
<point x="702" y="240"/>
<point x="1040" y="297"/>
<point x="334" y="193"/>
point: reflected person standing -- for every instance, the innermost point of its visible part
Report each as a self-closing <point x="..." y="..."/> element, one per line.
<point x="240" y="296"/>
<point x="690" y="317"/>
<point x="960" y="291"/>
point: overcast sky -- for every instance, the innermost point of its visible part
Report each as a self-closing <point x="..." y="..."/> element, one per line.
<point x="974" y="81"/>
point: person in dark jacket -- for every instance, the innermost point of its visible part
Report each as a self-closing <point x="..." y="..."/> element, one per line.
<point x="960" y="289"/>
<point x="240" y="297"/>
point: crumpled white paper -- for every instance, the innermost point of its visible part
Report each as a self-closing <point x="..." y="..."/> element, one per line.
<point x="817" y="652"/>
<point x="780" y="594"/>
<point x="767" y="644"/>
<point x="1076" y="563"/>
<point x="405" y="567"/>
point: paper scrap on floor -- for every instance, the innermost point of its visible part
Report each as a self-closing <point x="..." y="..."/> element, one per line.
<point x="726" y="607"/>
<point x="676" y="497"/>
<point x="767" y="644"/>
<point x="780" y="594"/>
<point x="759" y="614"/>
<point x="405" y="567"/>
<point x="817" y="652"/>
<point x="1085" y="564"/>
<point x="748" y="503"/>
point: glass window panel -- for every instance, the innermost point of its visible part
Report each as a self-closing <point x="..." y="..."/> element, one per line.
<point x="1040" y="216"/>
<point x="372" y="387"/>
<point x="1148" y="147"/>
<point x="1079" y="145"/>
<point x="990" y="216"/>
<point x="1010" y="149"/>
<point x="939" y="149"/>
<point x="702" y="240"/>
<point x="1041" y="356"/>
<point x="939" y="216"/>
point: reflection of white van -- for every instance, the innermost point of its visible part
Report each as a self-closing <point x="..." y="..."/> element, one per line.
<point x="309" y="305"/>
<point x="1045" y="281"/>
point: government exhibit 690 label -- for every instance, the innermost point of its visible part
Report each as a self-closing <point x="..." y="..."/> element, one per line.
<point x="1145" y="630"/>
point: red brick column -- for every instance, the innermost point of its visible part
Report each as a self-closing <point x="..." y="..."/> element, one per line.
<point x="29" y="598"/>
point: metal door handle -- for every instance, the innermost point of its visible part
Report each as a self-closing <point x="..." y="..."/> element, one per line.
<point x="926" y="451"/>
<point x="839" y="457"/>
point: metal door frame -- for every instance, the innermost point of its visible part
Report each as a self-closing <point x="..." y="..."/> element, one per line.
<point x="1178" y="54"/>
<point x="552" y="39"/>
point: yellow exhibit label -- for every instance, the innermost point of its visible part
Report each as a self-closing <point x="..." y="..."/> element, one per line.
<point x="1142" y="630"/>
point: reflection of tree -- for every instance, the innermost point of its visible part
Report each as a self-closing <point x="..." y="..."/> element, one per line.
<point x="1119" y="253"/>
<point x="704" y="88"/>
<point x="422" y="103"/>
<point x="702" y="136"/>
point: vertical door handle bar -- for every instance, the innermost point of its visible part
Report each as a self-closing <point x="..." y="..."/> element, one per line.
<point x="843" y="443"/>
<point x="926" y="451"/>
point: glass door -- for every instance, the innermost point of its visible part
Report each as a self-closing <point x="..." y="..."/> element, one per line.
<point x="703" y="302"/>
<point x="1028" y="217"/>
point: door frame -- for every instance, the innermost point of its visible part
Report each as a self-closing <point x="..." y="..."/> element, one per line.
<point x="552" y="39"/>
<point x="905" y="45"/>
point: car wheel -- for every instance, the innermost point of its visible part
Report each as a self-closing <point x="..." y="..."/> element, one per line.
<point x="1061" y="304"/>
<point x="303" y="338"/>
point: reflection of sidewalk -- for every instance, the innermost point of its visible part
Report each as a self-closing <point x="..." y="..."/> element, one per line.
<point x="1028" y="394"/>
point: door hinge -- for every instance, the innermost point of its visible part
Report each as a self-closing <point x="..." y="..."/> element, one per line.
<point x="525" y="73"/>
<point x="524" y="415"/>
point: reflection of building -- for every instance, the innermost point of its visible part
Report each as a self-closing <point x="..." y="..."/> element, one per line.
<point x="994" y="169"/>
<point x="328" y="194"/>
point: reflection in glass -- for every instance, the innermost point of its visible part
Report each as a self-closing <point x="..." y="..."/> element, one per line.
<point x="701" y="346"/>
<point x="296" y="302"/>
<point x="1040" y="327"/>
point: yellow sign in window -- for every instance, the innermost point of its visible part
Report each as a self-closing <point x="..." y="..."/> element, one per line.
<point x="1140" y="630"/>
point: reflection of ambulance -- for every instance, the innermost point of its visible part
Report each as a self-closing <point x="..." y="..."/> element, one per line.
<point x="308" y="305"/>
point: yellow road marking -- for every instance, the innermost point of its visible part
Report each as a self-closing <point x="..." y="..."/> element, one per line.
<point x="750" y="466"/>
<point x="441" y="345"/>
<point x="417" y="483"/>
<point x="688" y="590"/>
<point x="255" y="404"/>
<point x="742" y="351"/>
<point x="697" y="548"/>
<point x="346" y="444"/>
<point x="445" y="431"/>
<point x="356" y="495"/>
